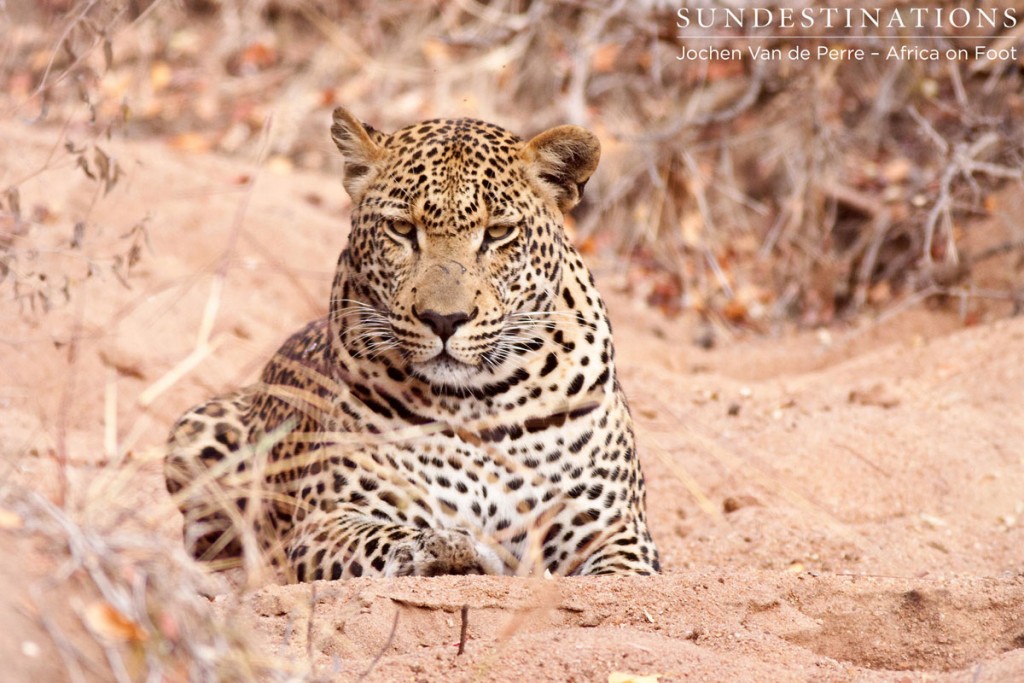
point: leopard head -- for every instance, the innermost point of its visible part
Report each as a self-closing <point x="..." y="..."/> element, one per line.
<point x="457" y="248"/>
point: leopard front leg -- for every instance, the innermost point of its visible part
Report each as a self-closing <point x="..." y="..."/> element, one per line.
<point x="628" y="551"/>
<point x="209" y="471"/>
<point x="347" y="544"/>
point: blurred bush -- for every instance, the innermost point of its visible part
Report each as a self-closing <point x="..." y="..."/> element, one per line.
<point x="749" y="191"/>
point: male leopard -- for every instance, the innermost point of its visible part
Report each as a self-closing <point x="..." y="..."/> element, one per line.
<point x="457" y="411"/>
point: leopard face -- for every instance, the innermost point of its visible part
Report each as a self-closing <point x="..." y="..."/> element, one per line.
<point x="457" y="243"/>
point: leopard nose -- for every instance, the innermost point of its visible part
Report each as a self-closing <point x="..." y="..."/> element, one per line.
<point x="444" y="324"/>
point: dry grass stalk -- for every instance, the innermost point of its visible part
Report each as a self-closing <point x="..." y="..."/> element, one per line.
<point x="148" y="617"/>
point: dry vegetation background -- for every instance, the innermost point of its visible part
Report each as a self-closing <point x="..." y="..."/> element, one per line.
<point x="749" y="192"/>
<point x="749" y="196"/>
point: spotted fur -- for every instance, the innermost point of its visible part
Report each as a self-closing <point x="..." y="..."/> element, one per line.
<point x="457" y="411"/>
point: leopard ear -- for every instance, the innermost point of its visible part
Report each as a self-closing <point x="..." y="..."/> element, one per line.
<point x="361" y="147"/>
<point x="560" y="161"/>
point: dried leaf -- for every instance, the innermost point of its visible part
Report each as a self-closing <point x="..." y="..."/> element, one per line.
<point x="114" y="177"/>
<point x="118" y="270"/>
<point x="10" y="519"/>
<point x="735" y="310"/>
<point x="933" y="521"/>
<point x="190" y="142"/>
<point x="328" y="97"/>
<point x="84" y="165"/>
<point x="880" y="293"/>
<point x="258" y="56"/>
<point x="876" y="395"/>
<point x="280" y="164"/>
<point x="68" y="50"/>
<point x="77" y="234"/>
<point x="666" y="293"/>
<point x="108" y="168"/>
<point x="604" y="57"/>
<point x="42" y="214"/>
<point x="436" y="52"/>
<point x="92" y="26"/>
<point x="14" y="201"/>
<point x="620" y="677"/>
<point x="691" y="225"/>
<point x="102" y="163"/>
<point x="108" y="53"/>
<point x="160" y="75"/>
<point x="897" y="170"/>
<point x="123" y="362"/>
<point x="109" y="623"/>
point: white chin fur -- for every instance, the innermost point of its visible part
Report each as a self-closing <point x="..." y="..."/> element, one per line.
<point x="446" y="371"/>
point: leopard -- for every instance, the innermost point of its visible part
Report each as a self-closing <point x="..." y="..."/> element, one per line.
<point x="457" y="410"/>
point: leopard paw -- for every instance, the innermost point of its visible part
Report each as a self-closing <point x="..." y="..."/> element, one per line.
<point x="434" y="552"/>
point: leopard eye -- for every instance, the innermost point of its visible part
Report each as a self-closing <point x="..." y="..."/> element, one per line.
<point x="499" y="232"/>
<point x="402" y="230"/>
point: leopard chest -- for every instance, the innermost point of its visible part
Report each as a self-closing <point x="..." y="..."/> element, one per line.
<point x="510" y="484"/>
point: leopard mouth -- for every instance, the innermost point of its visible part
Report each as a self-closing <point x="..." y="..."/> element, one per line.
<point x="445" y="357"/>
<point x="444" y="361"/>
<point x="445" y="369"/>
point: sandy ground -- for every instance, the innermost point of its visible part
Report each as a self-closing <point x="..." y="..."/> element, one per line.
<point x="830" y="506"/>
